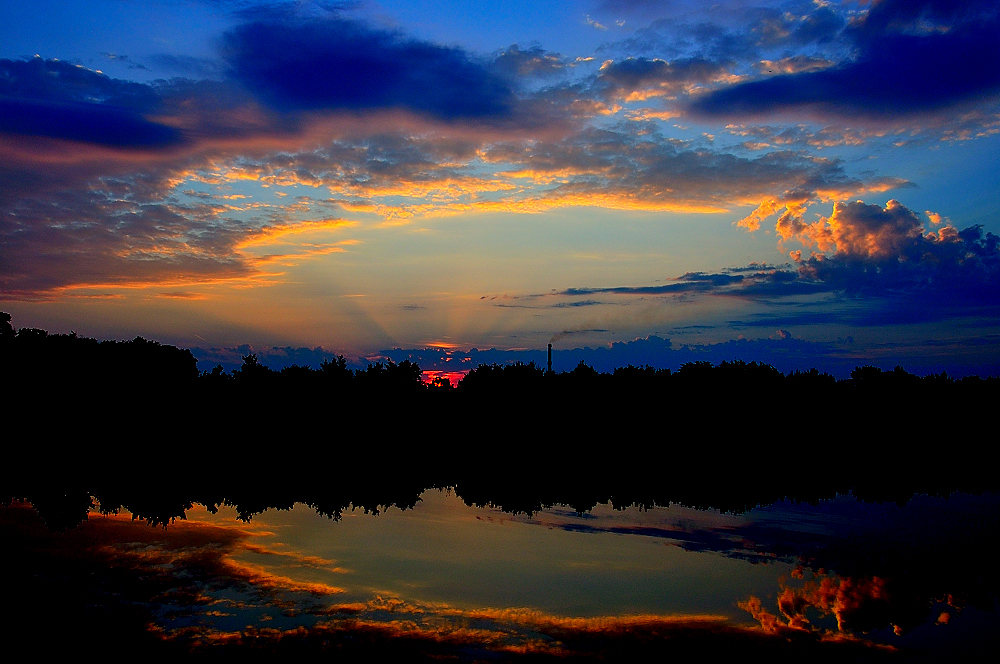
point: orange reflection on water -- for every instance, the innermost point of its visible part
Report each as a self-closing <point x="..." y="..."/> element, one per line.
<point x="202" y="593"/>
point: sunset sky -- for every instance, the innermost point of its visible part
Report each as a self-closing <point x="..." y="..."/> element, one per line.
<point x="400" y="174"/>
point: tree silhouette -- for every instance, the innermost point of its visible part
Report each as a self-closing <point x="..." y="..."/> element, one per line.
<point x="7" y="332"/>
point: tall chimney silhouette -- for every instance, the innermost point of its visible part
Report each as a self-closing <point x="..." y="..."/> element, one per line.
<point x="550" y="358"/>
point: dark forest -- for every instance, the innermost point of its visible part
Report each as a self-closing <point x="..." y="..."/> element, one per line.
<point x="139" y="414"/>
<point x="133" y="426"/>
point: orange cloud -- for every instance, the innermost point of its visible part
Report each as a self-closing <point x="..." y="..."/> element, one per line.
<point x="858" y="604"/>
<point x="182" y="295"/>
<point x="857" y="229"/>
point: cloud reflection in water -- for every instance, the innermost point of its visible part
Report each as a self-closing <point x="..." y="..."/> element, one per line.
<point x="420" y="581"/>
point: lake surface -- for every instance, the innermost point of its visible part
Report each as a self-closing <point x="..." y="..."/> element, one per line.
<point x="604" y="562"/>
<point x="912" y="578"/>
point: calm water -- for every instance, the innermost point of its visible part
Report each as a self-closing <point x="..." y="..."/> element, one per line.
<point x="446" y="558"/>
<point x="916" y="577"/>
<point x="557" y="561"/>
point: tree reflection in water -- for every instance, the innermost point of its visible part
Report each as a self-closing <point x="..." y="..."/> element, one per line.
<point x="850" y="576"/>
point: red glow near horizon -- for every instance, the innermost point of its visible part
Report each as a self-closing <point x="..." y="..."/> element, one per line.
<point x="454" y="377"/>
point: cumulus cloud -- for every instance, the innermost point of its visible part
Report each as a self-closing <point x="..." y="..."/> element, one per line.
<point x="887" y="252"/>
<point x="872" y="265"/>
<point x="858" y="229"/>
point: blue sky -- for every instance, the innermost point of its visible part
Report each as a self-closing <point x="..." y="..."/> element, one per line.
<point x="370" y="175"/>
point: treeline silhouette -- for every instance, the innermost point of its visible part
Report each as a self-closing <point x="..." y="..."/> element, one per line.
<point x="138" y="418"/>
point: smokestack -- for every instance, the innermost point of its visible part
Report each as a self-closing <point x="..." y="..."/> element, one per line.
<point x="550" y="358"/>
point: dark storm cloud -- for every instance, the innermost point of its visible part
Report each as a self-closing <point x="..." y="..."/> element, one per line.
<point x="91" y="123"/>
<point x="339" y="64"/>
<point x="55" y="99"/>
<point x="59" y="100"/>
<point x="277" y="72"/>
<point x="909" y="58"/>
<point x="57" y="81"/>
